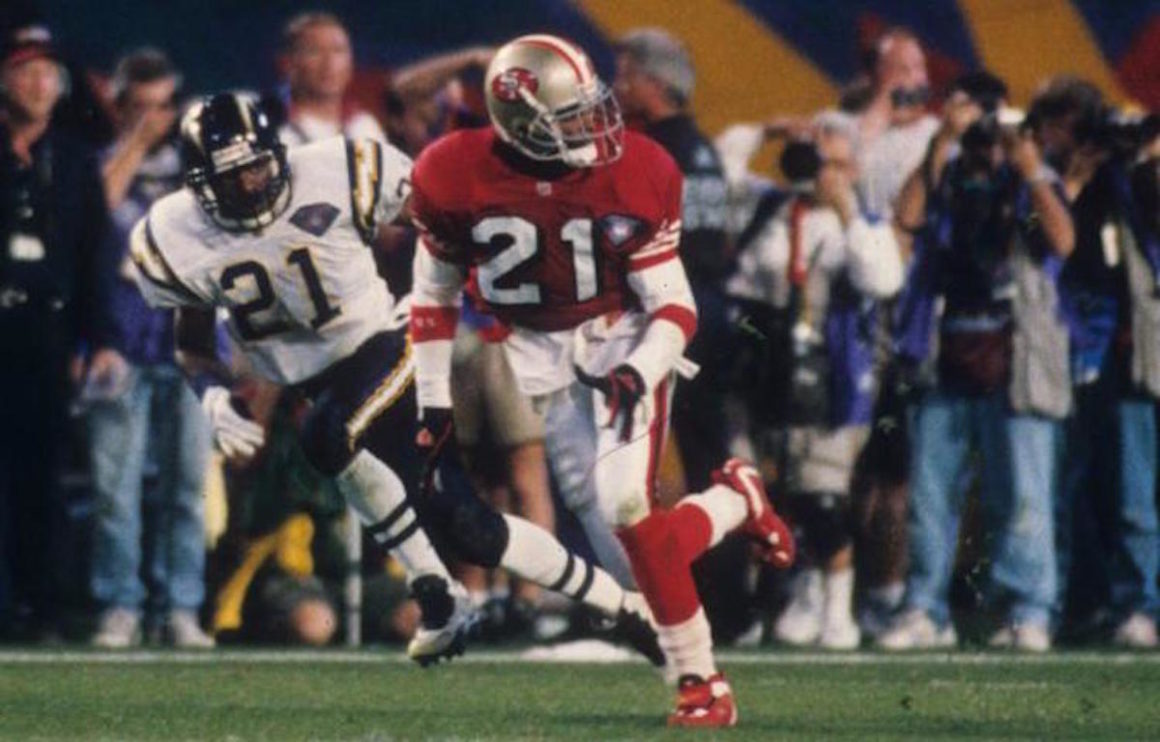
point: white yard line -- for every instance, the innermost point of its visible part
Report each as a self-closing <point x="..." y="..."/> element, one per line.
<point x="392" y="656"/>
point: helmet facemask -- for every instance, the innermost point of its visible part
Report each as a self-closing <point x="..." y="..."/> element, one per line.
<point x="246" y="195"/>
<point x="234" y="163"/>
<point x="587" y="133"/>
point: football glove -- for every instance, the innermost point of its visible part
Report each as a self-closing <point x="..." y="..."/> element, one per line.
<point x="623" y="389"/>
<point x="234" y="432"/>
<point x="435" y="437"/>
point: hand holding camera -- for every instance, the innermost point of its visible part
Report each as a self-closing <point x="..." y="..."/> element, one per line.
<point x="1023" y="153"/>
<point x="835" y="188"/>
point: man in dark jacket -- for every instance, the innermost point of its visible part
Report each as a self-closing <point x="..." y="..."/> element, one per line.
<point x="53" y="221"/>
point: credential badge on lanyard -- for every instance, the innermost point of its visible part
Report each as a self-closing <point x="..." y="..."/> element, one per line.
<point x="24" y="247"/>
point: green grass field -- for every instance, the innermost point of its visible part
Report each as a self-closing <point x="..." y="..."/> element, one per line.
<point x="373" y="695"/>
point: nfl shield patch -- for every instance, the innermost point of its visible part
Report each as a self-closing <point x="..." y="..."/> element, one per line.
<point x="315" y="218"/>
<point x="619" y="229"/>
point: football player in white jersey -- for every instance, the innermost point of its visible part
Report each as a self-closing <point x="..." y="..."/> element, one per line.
<point x="279" y="239"/>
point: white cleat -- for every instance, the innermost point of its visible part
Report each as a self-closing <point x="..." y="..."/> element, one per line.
<point x="1138" y="632"/>
<point x="840" y="631"/>
<point x="1027" y="637"/>
<point x="448" y="616"/>
<point x="119" y="628"/>
<point x="800" y="624"/>
<point x="184" y="631"/>
<point x="915" y="630"/>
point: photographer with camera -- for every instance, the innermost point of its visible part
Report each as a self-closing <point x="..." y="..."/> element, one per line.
<point x="805" y="281"/>
<point x="986" y="227"/>
<point x="1111" y="286"/>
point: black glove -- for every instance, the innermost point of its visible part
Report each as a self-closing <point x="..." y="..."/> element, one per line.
<point x="435" y="437"/>
<point x="623" y="388"/>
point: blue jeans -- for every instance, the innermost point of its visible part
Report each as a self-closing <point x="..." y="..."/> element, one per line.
<point x="1111" y="461"/>
<point x="157" y="420"/>
<point x="1018" y="457"/>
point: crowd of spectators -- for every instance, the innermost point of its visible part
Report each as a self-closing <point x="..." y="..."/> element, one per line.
<point x="936" y="326"/>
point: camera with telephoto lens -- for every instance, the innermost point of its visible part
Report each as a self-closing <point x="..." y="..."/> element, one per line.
<point x="801" y="163"/>
<point x="910" y="97"/>
<point x="989" y="93"/>
<point x="1119" y="132"/>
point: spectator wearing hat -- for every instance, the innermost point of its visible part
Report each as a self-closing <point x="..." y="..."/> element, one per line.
<point x="53" y="226"/>
<point x="153" y="416"/>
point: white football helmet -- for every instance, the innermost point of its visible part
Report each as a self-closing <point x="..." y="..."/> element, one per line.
<point x="545" y="100"/>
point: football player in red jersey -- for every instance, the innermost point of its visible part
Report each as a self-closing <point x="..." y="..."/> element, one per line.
<point x="567" y="227"/>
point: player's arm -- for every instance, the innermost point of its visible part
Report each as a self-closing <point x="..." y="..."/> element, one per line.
<point x="435" y="301"/>
<point x="234" y="429"/>
<point x="439" y="273"/>
<point x="235" y="434"/>
<point x="655" y="274"/>
<point x="379" y="176"/>
<point x="657" y="277"/>
<point x="195" y="349"/>
<point x="436" y="297"/>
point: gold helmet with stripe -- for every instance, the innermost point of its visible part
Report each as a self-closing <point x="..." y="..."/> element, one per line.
<point x="546" y="100"/>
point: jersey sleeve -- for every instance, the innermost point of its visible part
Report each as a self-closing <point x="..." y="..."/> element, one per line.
<point x="439" y="273"/>
<point x="435" y="208"/>
<point x="159" y="284"/>
<point x="380" y="182"/>
<point x="657" y="276"/>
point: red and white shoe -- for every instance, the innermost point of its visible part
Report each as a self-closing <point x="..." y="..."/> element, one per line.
<point x="704" y="703"/>
<point x="763" y="524"/>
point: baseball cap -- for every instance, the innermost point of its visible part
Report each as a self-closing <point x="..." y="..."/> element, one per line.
<point x="27" y="43"/>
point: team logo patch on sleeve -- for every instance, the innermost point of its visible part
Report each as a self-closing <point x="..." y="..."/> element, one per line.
<point x="619" y="229"/>
<point x="315" y="218"/>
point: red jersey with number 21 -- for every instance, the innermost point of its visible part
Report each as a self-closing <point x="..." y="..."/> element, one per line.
<point x="548" y="247"/>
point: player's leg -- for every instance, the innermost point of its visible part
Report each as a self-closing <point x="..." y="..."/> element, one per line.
<point x="570" y="440"/>
<point x="481" y="535"/>
<point x="348" y="399"/>
<point x="518" y="431"/>
<point x="662" y="545"/>
<point x="478" y="534"/>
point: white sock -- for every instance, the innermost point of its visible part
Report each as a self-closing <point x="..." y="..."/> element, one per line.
<point x="725" y="507"/>
<point x="534" y="554"/>
<point x="688" y="647"/>
<point x="378" y="496"/>
<point x="839" y="592"/>
<point x="607" y="546"/>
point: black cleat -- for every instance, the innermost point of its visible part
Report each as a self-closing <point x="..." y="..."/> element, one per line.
<point x="447" y="617"/>
<point x="634" y="628"/>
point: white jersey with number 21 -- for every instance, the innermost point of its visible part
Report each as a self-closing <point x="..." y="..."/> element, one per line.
<point x="302" y="293"/>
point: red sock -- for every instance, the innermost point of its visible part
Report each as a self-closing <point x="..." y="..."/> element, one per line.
<point x="661" y="547"/>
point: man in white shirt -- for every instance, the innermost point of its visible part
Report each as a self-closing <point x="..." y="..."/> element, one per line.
<point x="895" y="127"/>
<point x="817" y="254"/>
<point x="318" y="65"/>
